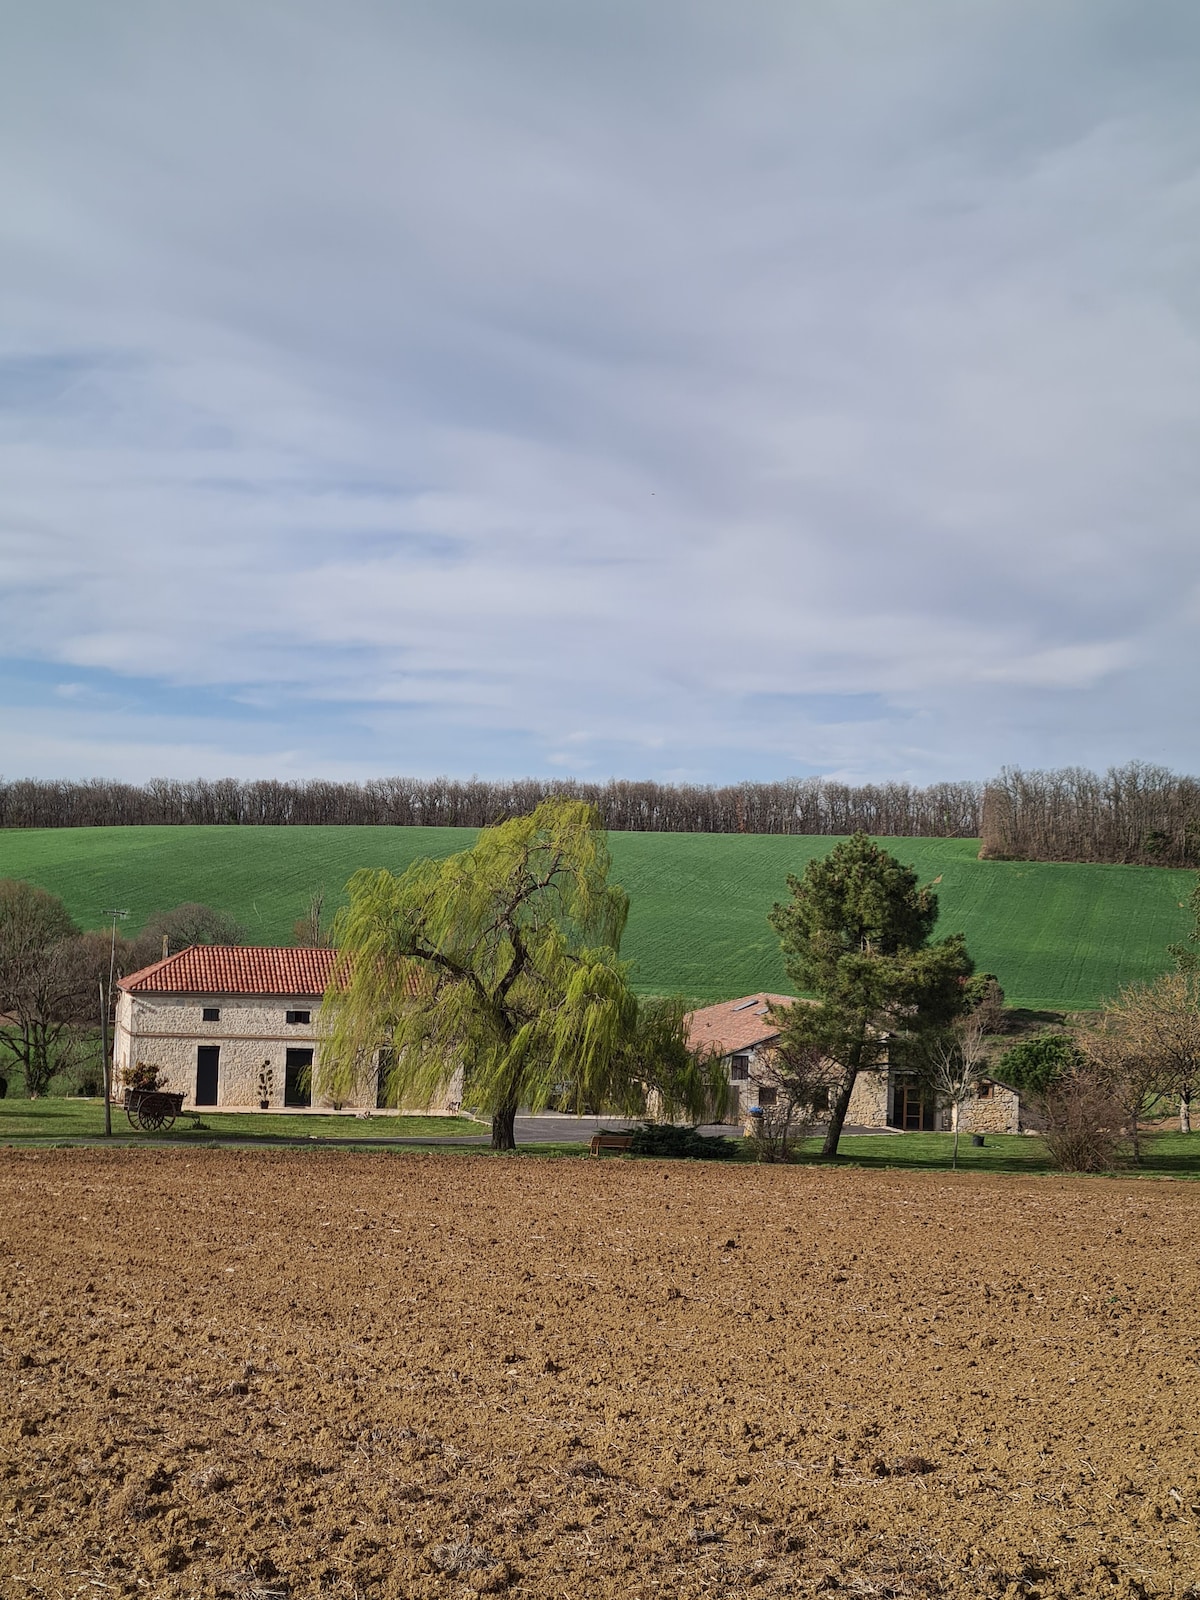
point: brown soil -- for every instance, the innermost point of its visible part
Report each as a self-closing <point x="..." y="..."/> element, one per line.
<point x="309" y="1373"/>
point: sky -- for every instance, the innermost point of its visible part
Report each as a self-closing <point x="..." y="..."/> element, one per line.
<point x="682" y="391"/>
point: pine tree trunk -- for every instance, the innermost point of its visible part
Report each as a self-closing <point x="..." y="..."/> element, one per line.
<point x="837" y="1115"/>
<point x="503" y="1134"/>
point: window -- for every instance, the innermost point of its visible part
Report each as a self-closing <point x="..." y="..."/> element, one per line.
<point x="299" y="1016"/>
<point x="983" y="1090"/>
<point x="739" y="1068"/>
<point x="211" y="1014"/>
<point x="768" y="1097"/>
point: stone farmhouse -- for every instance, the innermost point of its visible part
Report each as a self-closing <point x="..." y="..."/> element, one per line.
<point x="742" y="1032"/>
<point x="236" y="1026"/>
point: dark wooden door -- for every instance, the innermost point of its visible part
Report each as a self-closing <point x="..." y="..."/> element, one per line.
<point x="208" y="1059"/>
<point x="297" y="1078"/>
<point x="914" y="1108"/>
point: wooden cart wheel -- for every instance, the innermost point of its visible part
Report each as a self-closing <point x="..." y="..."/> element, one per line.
<point x="152" y="1117"/>
<point x="133" y="1116"/>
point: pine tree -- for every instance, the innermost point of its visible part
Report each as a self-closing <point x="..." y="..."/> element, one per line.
<point x="856" y="937"/>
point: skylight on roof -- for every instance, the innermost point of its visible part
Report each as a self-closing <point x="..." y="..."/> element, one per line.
<point x="746" y="1004"/>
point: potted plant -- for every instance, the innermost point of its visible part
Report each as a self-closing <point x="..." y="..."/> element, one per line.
<point x="144" y="1076"/>
<point x="266" y="1082"/>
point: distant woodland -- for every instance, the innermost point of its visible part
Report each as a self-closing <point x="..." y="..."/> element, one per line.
<point x="1136" y="813"/>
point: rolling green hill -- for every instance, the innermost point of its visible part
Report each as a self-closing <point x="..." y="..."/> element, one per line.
<point x="1061" y="936"/>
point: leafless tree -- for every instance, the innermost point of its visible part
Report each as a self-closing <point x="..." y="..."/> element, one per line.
<point x="1136" y="1076"/>
<point x="189" y="924"/>
<point x="955" y="1065"/>
<point x="1135" y="813"/>
<point x="49" y="983"/>
<point x="309" y="931"/>
<point x="1159" y="1023"/>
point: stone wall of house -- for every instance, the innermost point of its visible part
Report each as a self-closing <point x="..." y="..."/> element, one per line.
<point x="869" y="1101"/>
<point x="997" y="1112"/>
<point x="253" y="1035"/>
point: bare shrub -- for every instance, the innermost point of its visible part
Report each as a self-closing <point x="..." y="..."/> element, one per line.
<point x="1082" y="1120"/>
<point x="774" y="1126"/>
<point x="793" y="1089"/>
<point x="985" y="998"/>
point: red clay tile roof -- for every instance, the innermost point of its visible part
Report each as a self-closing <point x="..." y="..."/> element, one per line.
<point x="735" y="1024"/>
<point x="237" y="969"/>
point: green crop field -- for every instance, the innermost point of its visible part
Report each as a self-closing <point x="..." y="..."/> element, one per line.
<point x="1058" y="936"/>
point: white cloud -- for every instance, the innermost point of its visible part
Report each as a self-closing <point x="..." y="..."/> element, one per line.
<point x="129" y="748"/>
<point x="505" y="377"/>
<point x="1079" y="666"/>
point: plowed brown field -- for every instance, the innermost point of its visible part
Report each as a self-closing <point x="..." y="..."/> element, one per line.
<point x="309" y="1373"/>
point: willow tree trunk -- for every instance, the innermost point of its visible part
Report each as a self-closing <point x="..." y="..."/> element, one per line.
<point x="503" y="1133"/>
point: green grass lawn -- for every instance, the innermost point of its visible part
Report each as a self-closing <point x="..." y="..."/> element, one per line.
<point x="1060" y="937"/>
<point x="1165" y="1155"/>
<point x="51" y="1118"/>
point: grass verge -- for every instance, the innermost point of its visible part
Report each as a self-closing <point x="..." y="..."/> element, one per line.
<point x="74" y="1119"/>
<point x="1165" y="1154"/>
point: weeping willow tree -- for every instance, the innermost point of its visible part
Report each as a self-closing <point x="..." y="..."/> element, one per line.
<point x="504" y="959"/>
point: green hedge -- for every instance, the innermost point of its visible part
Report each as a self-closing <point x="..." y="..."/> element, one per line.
<point x="665" y="1139"/>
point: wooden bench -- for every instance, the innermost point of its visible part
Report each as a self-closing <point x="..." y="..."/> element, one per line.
<point x="610" y="1141"/>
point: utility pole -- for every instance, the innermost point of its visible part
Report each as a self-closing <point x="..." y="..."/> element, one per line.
<point x="107" y="1062"/>
<point x="105" y="1009"/>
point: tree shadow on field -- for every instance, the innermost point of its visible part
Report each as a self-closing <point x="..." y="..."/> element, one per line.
<point x="1164" y="1155"/>
<point x="932" y="1152"/>
<point x="1019" y="1020"/>
<point x="35" y="1111"/>
<point x="1170" y="1155"/>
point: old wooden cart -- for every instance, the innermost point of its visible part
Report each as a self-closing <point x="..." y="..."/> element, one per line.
<point x="152" y="1109"/>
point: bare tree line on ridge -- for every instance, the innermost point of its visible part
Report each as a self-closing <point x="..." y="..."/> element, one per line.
<point x="1136" y="813"/>
<point x="793" y="806"/>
